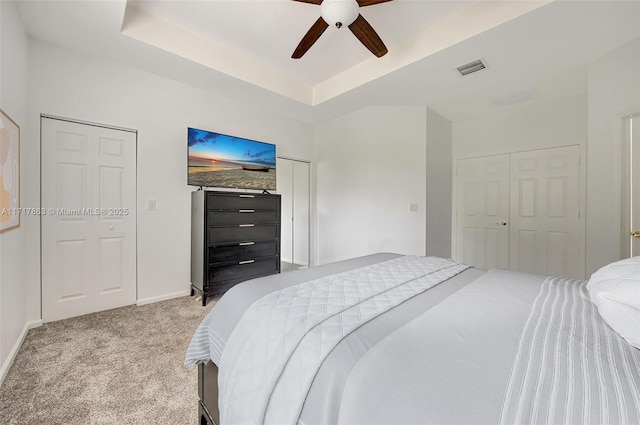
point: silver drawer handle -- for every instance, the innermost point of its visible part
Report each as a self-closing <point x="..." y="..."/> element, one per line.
<point x="246" y="243"/>
<point x="246" y="225"/>
<point x="247" y="196"/>
<point x="246" y="262"/>
<point x="246" y="211"/>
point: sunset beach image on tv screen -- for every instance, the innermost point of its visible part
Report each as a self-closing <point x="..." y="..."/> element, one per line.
<point x="219" y="160"/>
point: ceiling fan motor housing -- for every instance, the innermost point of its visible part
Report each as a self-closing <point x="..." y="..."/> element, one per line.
<point x="339" y="13"/>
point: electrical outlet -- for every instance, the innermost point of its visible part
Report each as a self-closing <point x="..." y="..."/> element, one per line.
<point x="151" y="204"/>
<point x="413" y="207"/>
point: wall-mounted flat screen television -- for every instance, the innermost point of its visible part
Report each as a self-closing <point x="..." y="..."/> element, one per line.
<point x="220" y="160"/>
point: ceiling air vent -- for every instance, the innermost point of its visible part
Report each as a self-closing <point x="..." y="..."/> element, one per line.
<point x="474" y="66"/>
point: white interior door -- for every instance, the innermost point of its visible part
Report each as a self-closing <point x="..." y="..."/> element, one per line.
<point x="284" y="184"/>
<point x="88" y="232"/>
<point x="293" y="186"/>
<point x="68" y="254"/>
<point x="545" y="212"/>
<point x="521" y="211"/>
<point x="482" y="188"/>
<point x="116" y="230"/>
<point x="301" y="211"/>
<point x="634" y="178"/>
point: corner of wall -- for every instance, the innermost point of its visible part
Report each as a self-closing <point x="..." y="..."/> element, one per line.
<point x="13" y="100"/>
<point x="438" y="185"/>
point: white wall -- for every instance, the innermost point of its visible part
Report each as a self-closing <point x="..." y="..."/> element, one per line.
<point x="438" y="182"/>
<point x="369" y="165"/>
<point x="13" y="101"/>
<point x="67" y="84"/>
<point x="521" y="128"/>
<point x="614" y="91"/>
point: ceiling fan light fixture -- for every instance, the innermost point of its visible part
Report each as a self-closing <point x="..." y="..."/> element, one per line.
<point x="339" y="13"/>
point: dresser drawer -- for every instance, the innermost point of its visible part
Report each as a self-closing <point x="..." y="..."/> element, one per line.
<point x="242" y="202"/>
<point x="241" y="217"/>
<point x="223" y="235"/>
<point x="227" y="253"/>
<point x="243" y="270"/>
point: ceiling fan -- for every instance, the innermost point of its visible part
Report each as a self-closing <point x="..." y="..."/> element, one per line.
<point x="339" y="13"/>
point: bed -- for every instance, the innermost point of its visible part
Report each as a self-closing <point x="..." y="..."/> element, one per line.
<point x="397" y="339"/>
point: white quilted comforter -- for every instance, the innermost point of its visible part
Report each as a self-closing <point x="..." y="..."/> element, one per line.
<point x="273" y="355"/>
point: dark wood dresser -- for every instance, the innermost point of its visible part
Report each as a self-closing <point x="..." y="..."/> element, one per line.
<point x="234" y="237"/>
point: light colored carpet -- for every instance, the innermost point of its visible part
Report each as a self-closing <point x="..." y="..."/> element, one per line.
<point x="122" y="366"/>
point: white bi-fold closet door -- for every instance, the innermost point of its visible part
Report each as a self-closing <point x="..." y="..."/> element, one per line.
<point x="630" y="214"/>
<point x="293" y="184"/>
<point x="634" y="179"/>
<point x="521" y="211"/>
<point x="88" y="197"/>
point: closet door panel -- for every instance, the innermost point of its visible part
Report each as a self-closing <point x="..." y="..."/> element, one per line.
<point x="634" y="179"/>
<point x="284" y="184"/>
<point x="301" y="211"/>
<point x="482" y="208"/>
<point x="545" y="214"/>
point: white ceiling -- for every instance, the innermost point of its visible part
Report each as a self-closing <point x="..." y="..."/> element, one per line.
<point x="535" y="50"/>
<point x="269" y="30"/>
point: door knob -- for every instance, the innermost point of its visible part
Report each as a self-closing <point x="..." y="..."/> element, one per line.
<point x="636" y="234"/>
<point x="502" y="223"/>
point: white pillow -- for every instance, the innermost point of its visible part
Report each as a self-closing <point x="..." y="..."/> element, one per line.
<point x="615" y="289"/>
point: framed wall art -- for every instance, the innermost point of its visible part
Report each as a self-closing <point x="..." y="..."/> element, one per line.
<point x="9" y="173"/>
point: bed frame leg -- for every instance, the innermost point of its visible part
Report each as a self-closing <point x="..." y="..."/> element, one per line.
<point x="205" y="419"/>
<point x="208" y="411"/>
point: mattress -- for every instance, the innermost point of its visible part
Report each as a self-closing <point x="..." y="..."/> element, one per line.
<point x="478" y="347"/>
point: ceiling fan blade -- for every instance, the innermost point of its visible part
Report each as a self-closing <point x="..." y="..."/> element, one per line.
<point x="368" y="36"/>
<point x="315" y="1"/>
<point x="310" y="37"/>
<point x="363" y="3"/>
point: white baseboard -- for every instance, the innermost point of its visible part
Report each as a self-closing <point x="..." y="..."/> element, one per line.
<point x="290" y="261"/>
<point x="16" y="347"/>
<point x="165" y="297"/>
